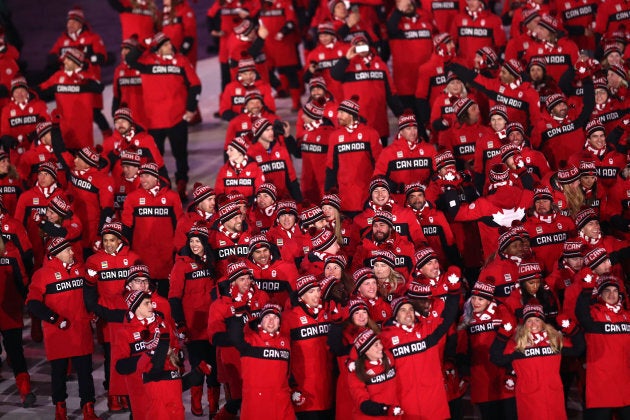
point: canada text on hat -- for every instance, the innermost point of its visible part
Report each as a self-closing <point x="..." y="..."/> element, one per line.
<point x="239" y="144"/>
<point x="500" y="110"/>
<point x="514" y="126"/>
<point x="542" y="193"/>
<point x="304" y="283"/>
<point x="129" y="158"/>
<point x="595" y="257"/>
<point x="444" y="158"/>
<point x="513" y="67"/>
<point x="60" y="206"/>
<point x="326" y="27"/>
<point x="364" y="341"/>
<point x="317" y="81"/>
<point x="19" y="82"/>
<point x="507" y="237"/>
<point x="489" y="56"/>
<point x="253" y="94"/>
<point x="529" y="270"/>
<point x="326" y="284"/>
<point x="594" y="126"/>
<point x="351" y="106"/>
<point x="331" y="199"/>
<point x="338" y="259"/>
<point x="508" y="150"/>
<point x="201" y="192"/>
<point x="379" y="181"/>
<point x="360" y="276"/>
<point x="236" y="197"/>
<point x="441" y="39"/>
<point x="149" y="168"/>
<point x="383" y="217"/>
<point x="356" y="305"/>
<point x="133" y="299"/>
<point x="245" y="27"/>
<point x="584" y="216"/>
<point x="419" y="288"/>
<point x="123" y="113"/>
<point x="323" y="240"/>
<point x="533" y="309"/>
<point x="461" y="106"/>
<point x="237" y="269"/>
<point x="259" y="126"/>
<point x="270" y="309"/>
<point x="568" y="174"/>
<point x="529" y="15"/>
<point x="198" y="231"/>
<point x="43" y="128"/>
<point x="56" y="245"/>
<point x="499" y="173"/>
<point x="49" y="168"/>
<point x="384" y="256"/>
<point x="89" y="156"/>
<point x="553" y="100"/>
<point x="587" y="168"/>
<point x="158" y="40"/>
<point x="423" y="256"/>
<point x="313" y="109"/>
<point x="286" y="207"/>
<point x="397" y="303"/>
<point x="246" y="64"/>
<point x="228" y="210"/>
<point x="269" y="189"/>
<point x="537" y="61"/>
<point x="138" y="270"/>
<point x="572" y="249"/>
<point x="407" y="119"/>
<point x="549" y="22"/>
<point x="310" y="215"/>
<point x="414" y="187"/>
<point x="113" y="228"/>
<point x="605" y="280"/>
<point x="257" y="242"/>
<point x="484" y="287"/>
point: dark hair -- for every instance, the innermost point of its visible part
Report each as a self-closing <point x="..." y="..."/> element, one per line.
<point x="360" y="367"/>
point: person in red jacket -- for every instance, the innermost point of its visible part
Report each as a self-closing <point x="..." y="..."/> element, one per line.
<point x="254" y="106"/>
<point x="13" y="289"/>
<point x="504" y="266"/>
<point x="265" y="353"/>
<point x="604" y="319"/>
<point x="372" y="379"/>
<point x="127" y="85"/>
<point x="238" y="297"/>
<point x="79" y="35"/>
<point x="93" y="195"/>
<point x="56" y="296"/>
<point x="271" y="275"/>
<point x="239" y="173"/>
<point x="136" y="17"/>
<point x="192" y="280"/>
<point x="534" y="352"/>
<point x="286" y="234"/>
<point x="365" y="75"/>
<point x="408" y="159"/>
<point x="345" y="231"/>
<point x="180" y="26"/>
<point x="20" y="116"/>
<point x="127" y="182"/>
<point x="107" y="271"/>
<point x="355" y="148"/>
<point x="413" y="342"/>
<point x="307" y="325"/>
<point x="73" y="89"/>
<point x="474" y="28"/>
<point x="547" y="228"/>
<point x="201" y="212"/>
<point x="366" y="288"/>
<point x="10" y="183"/>
<point x="489" y="389"/>
<point x="247" y="80"/>
<point x="410" y="30"/>
<point x="228" y="237"/>
<point x="149" y="212"/>
<point x="128" y="137"/>
<point x="171" y="90"/>
<point x="272" y="157"/>
<point x="383" y="236"/>
<point x="36" y="200"/>
<point x="41" y="151"/>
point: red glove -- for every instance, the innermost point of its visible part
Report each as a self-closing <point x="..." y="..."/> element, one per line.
<point x="506" y="330"/>
<point x="454" y="279"/>
<point x="182" y="332"/>
<point x="583" y="70"/>
<point x="204" y="368"/>
<point x="450" y="179"/>
<point x="519" y="162"/>
<point x="510" y="381"/>
<point x="588" y="279"/>
<point x="567" y="325"/>
<point x="62" y="323"/>
<point x="96" y="246"/>
<point x="37" y="217"/>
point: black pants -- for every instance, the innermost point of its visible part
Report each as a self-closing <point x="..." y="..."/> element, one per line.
<point x="12" y="341"/>
<point x="606" y="413"/>
<point x="498" y="410"/>
<point x="199" y="350"/>
<point x="291" y="73"/>
<point x="83" y="367"/>
<point x="225" y="75"/>
<point x="178" y="138"/>
<point x="107" y="353"/>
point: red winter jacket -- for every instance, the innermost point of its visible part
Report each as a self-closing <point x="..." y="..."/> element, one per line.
<point x="314" y="151"/>
<point x="311" y="362"/>
<point x="13" y="288"/>
<point x="225" y="247"/>
<point x="57" y="292"/>
<point x="149" y="218"/>
<point x="548" y="237"/>
<point x="405" y="222"/>
<point x="19" y="122"/>
<point x="245" y="181"/>
<point x="141" y="143"/>
<point x="277" y="279"/>
<point x="180" y="26"/>
<point x="380" y="388"/>
<point x="127" y="89"/>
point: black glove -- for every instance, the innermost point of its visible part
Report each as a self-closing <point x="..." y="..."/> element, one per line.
<point x="8" y="142"/>
<point x="278" y="128"/>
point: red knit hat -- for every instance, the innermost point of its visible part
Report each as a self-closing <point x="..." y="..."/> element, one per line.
<point x="595" y="257"/>
<point x="304" y="283"/>
<point x="533" y="309"/>
<point x="423" y="256"/>
<point x="360" y="276"/>
<point x="60" y="206"/>
<point x="364" y="341"/>
<point x="419" y="288"/>
<point x="484" y="288"/>
<point x="384" y="256"/>
<point x="529" y="270"/>
<point x="323" y="240"/>
<point x="57" y="244"/>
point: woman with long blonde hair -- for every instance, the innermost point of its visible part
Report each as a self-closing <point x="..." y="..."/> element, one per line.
<point x="535" y="352"/>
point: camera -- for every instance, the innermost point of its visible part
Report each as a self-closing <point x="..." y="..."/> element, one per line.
<point x="362" y="48"/>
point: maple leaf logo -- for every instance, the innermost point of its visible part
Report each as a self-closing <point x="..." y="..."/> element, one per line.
<point x="507" y="326"/>
<point x="450" y="176"/>
<point x="505" y="217"/>
<point x="588" y="278"/>
<point x="566" y="323"/>
<point x="453" y="278"/>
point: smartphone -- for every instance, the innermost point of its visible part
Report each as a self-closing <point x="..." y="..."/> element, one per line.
<point x="354" y="8"/>
<point x="362" y="48"/>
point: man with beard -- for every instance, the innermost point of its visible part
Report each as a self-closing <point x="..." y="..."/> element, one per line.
<point x="384" y="236"/>
<point x="127" y="137"/>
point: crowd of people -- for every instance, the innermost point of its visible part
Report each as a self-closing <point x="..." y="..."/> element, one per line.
<point x="484" y="252"/>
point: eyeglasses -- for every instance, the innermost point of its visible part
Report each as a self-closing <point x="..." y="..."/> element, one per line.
<point x="140" y="281"/>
